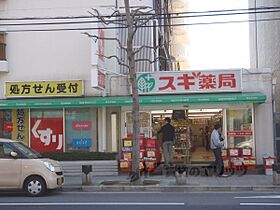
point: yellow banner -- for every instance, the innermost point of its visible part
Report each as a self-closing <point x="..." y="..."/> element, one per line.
<point x="20" y="125"/>
<point x="44" y="88"/>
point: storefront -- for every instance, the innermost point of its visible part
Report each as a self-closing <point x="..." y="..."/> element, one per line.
<point x="76" y="122"/>
<point x="240" y="100"/>
<point x="194" y="120"/>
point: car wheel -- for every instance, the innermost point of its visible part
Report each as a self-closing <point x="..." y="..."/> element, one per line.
<point x="35" y="186"/>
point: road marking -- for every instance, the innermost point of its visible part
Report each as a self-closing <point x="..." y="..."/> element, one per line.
<point x="92" y="204"/>
<point x="257" y="197"/>
<point x="259" y="204"/>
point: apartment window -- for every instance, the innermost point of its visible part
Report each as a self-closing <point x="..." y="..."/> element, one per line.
<point x="2" y="46"/>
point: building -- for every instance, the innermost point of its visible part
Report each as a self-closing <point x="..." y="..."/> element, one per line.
<point x="60" y="62"/>
<point x="265" y="48"/>
<point x="62" y="94"/>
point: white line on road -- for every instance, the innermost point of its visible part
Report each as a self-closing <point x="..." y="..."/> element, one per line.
<point x="257" y="197"/>
<point x="92" y="204"/>
<point x="259" y="204"/>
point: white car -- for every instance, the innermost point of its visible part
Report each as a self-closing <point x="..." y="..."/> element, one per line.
<point x="24" y="169"/>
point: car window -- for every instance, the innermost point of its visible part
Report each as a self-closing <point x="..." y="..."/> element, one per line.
<point x="1" y="151"/>
<point x="26" y="150"/>
<point x="7" y="150"/>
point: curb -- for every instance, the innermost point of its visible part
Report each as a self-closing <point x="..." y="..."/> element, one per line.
<point x="155" y="188"/>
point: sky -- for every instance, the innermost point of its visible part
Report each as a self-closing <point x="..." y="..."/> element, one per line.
<point x="217" y="46"/>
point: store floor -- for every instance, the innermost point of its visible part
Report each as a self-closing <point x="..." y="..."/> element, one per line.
<point x="200" y="154"/>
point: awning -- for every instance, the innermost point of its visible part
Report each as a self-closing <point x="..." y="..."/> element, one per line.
<point x="217" y="98"/>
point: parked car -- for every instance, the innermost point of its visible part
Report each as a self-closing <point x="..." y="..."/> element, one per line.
<point x="24" y="169"/>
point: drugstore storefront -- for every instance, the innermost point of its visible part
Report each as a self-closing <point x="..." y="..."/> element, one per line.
<point x="67" y="124"/>
<point x="96" y="124"/>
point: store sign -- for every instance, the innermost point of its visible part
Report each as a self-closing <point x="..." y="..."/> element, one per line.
<point x="44" y="89"/>
<point x="101" y="43"/>
<point x="8" y="127"/>
<point x="81" y="142"/>
<point x="240" y="133"/>
<point x="166" y="82"/>
<point x="81" y="125"/>
<point x="47" y="134"/>
<point x="97" y="79"/>
<point x="20" y="125"/>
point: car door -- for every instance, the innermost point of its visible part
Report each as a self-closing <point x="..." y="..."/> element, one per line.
<point x="10" y="168"/>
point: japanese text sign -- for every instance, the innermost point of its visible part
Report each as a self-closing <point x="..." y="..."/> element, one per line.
<point x="44" y="88"/>
<point x="189" y="82"/>
<point x="47" y="134"/>
<point x="98" y="79"/>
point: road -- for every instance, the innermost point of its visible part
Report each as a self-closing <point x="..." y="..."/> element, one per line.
<point x="142" y="200"/>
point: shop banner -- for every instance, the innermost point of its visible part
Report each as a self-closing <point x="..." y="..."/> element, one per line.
<point x="81" y="142"/>
<point x="20" y="125"/>
<point x="98" y="78"/>
<point x="44" y="89"/>
<point x="47" y="134"/>
<point x="170" y="82"/>
<point x="240" y="133"/>
<point x="81" y="125"/>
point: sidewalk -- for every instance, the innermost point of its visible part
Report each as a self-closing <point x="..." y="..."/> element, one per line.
<point x="161" y="183"/>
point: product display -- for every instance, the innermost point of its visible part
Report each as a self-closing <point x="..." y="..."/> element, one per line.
<point x="182" y="143"/>
<point x="149" y="154"/>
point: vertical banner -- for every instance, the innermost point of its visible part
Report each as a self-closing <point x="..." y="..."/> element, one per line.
<point x="20" y="125"/>
<point x="47" y="134"/>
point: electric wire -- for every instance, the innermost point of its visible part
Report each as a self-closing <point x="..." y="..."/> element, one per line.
<point x="118" y="21"/>
<point x="123" y="15"/>
<point x="144" y="26"/>
<point x="201" y="14"/>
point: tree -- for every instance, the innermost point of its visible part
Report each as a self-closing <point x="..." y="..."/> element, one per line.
<point x="133" y="20"/>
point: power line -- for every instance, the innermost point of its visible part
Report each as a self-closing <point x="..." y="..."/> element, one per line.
<point x="118" y="21"/>
<point x="146" y="26"/>
<point x="159" y="14"/>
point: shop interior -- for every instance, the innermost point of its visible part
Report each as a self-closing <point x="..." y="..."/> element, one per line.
<point x="192" y="132"/>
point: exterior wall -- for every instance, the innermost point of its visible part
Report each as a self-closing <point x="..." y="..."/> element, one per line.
<point x="261" y="80"/>
<point x="60" y="55"/>
<point x="265" y="42"/>
<point x="63" y="55"/>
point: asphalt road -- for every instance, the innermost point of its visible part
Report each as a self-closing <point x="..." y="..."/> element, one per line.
<point x="142" y="201"/>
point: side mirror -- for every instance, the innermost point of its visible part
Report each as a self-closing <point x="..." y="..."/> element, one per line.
<point x="14" y="154"/>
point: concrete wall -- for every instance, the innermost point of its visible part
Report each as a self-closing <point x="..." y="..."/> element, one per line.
<point x="265" y="42"/>
<point x="260" y="80"/>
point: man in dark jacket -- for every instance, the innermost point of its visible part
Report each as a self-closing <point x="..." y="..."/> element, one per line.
<point x="168" y="134"/>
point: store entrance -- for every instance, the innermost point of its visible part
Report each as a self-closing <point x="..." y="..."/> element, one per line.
<point x="193" y="129"/>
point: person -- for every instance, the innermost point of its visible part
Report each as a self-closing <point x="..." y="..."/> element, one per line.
<point x="216" y="145"/>
<point x="202" y="136"/>
<point x="168" y="134"/>
<point x="207" y="138"/>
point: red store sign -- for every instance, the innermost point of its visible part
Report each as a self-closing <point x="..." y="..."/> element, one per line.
<point x="81" y="125"/>
<point x="47" y="134"/>
<point x="240" y="133"/>
<point x="189" y="81"/>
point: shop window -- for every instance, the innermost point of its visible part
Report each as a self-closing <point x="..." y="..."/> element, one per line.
<point x="46" y="130"/>
<point x="6" y="125"/>
<point x="2" y="46"/>
<point x="81" y="129"/>
<point x="239" y="128"/>
<point x="145" y="123"/>
<point x="14" y="125"/>
<point x="278" y="130"/>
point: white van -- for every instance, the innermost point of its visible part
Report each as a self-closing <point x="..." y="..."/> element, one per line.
<point x="22" y="168"/>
